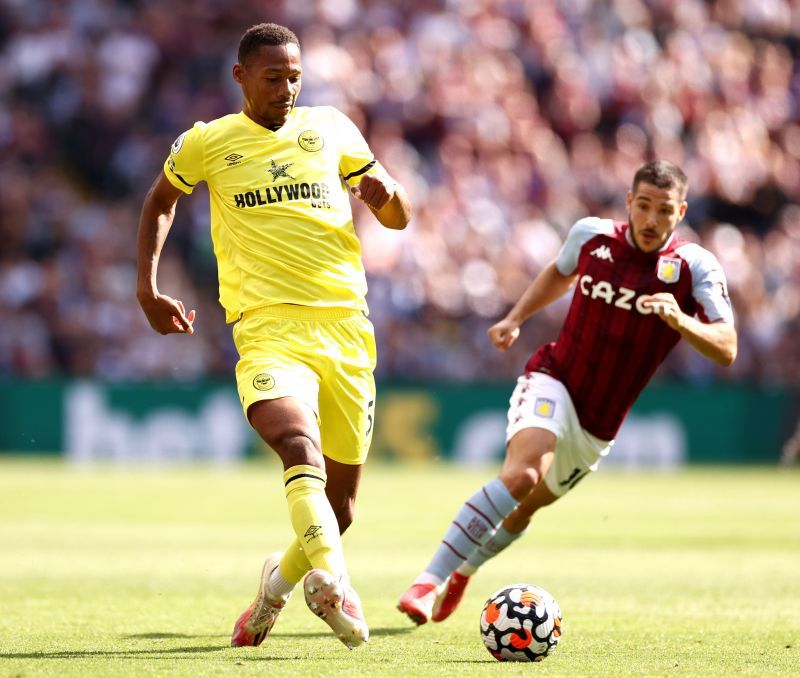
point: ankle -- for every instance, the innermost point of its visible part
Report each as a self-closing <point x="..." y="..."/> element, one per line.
<point x="466" y="570"/>
<point x="428" y="578"/>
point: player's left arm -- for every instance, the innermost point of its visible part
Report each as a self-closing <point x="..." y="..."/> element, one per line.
<point x="717" y="340"/>
<point x="712" y="332"/>
<point x="366" y="178"/>
<point x="386" y="198"/>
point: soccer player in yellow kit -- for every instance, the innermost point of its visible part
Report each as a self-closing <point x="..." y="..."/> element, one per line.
<point x="292" y="282"/>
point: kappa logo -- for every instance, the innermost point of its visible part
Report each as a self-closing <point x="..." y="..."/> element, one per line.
<point x="603" y="252"/>
<point x="312" y="533"/>
<point x="278" y="171"/>
<point x="233" y="159"/>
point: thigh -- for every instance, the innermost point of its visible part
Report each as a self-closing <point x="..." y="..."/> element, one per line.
<point x="540" y="417"/>
<point x="538" y="401"/>
<point x="529" y="455"/>
<point x="272" y="364"/>
<point x="289" y="427"/>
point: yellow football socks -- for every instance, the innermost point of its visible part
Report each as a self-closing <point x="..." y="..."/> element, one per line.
<point x="294" y="563"/>
<point x="314" y="523"/>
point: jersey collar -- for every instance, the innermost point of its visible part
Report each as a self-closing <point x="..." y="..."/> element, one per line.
<point x="254" y="126"/>
<point x="663" y="248"/>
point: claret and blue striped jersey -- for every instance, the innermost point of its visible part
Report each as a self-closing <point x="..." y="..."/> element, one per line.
<point x="610" y="344"/>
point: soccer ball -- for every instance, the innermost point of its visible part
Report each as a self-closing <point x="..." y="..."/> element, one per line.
<point x="521" y="623"/>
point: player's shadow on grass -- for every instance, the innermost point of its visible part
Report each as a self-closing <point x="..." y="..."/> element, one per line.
<point x="158" y="636"/>
<point x="380" y="631"/>
<point x="373" y="632"/>
<point x="76" y="654"/>
<point x="469" y="661"/>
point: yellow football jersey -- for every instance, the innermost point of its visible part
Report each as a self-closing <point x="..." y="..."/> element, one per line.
<point x="280" y="208"/>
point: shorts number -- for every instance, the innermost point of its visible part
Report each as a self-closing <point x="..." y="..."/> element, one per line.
<point x="370" y="405"/>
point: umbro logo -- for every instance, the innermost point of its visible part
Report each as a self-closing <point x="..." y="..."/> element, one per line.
<point x="603" y="252"/>
<point x="313" y="532"/>
<point x="233" y="159"/>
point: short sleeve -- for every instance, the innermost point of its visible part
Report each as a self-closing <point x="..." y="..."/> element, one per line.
<point x="184" y="167"/>
<point x="581" y="232"/>
<point x="709" y="285"/>
<point x="356" y="158"/>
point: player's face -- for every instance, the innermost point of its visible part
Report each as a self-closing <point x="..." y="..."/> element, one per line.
<point x="270" y="83"/>
<point x="653" y="214"/>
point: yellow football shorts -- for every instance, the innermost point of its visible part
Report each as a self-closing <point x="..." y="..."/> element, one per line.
<point x="322" y="356"/>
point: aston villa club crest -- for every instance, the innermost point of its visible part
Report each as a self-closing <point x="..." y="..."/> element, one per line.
<point x="544" y="407"/>
<point x="669" y="269"/>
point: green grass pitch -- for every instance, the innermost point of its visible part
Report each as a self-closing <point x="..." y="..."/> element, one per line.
<point x="133" y="573"/>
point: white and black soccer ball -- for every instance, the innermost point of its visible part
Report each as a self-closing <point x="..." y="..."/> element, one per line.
<point x="521" y="623"/>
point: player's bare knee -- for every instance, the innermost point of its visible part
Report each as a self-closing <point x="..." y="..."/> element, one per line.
<point x="520" y="481"/>
<point x="295" y="447"/>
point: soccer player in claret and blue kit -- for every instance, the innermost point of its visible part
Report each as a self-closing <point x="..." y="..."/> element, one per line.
<point x="639" y="289"/>
<point x="292" y="283"/>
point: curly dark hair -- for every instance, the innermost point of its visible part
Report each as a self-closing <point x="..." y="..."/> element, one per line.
<point x="662" y="174"/>
<point x="264" y="34"/>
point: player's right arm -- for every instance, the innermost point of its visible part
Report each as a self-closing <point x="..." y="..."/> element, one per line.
<point x="165" y="314"/>
<point x="552" y="283"/>
<point x="546" y="287"/>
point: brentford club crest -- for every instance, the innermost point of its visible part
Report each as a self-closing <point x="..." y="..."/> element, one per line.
<point x="669" y="269"/>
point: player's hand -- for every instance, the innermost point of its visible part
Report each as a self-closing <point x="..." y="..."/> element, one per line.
<point x="666" y="307"/>
<point x="374" y="191"/>
<point x="504" y="333"/>
<point x="167" y="315"/>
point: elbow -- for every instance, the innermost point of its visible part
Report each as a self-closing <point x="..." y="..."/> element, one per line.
<point x="728" y="356"/>
<point x="403" y="215"/>
<point x="403" y="221"/>
<point x="397" y="222"/>
<point x="727" y="344"/>
<point x="400" y="213"/>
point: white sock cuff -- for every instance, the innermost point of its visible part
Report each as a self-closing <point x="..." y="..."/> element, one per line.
<point x="429" y="578"/>
<point x="278" y="585"/>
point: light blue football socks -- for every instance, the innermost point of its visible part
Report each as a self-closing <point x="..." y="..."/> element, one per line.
<point x="474" y="524"/>
<point x="498" y="542"/>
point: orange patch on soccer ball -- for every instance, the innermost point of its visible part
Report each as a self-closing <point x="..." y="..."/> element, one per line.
<point x="492" y="613"/>
<point x="518" y="643"/>
<point x="557" y="627"/>
<point x="529" y="599"/>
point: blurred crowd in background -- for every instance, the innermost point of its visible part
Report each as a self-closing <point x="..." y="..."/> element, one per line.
<point x="506" y="120"/>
